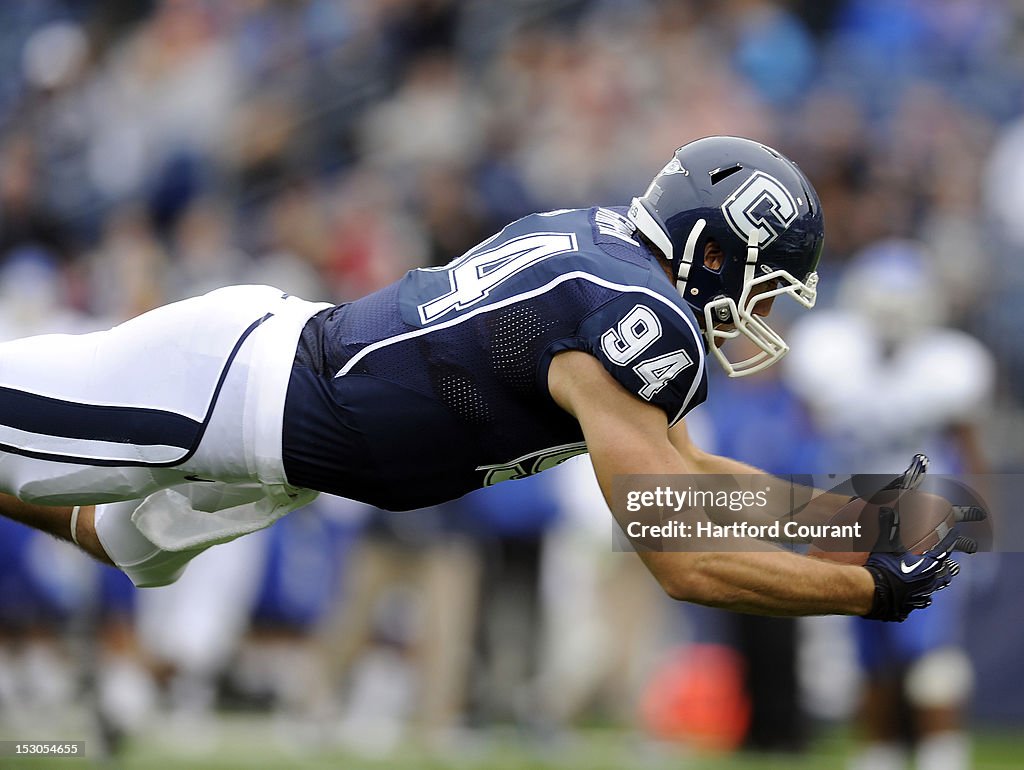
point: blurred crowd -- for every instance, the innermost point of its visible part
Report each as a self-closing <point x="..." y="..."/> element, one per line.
<point x="152" y="150"/>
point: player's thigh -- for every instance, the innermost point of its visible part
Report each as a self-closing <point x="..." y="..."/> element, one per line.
<point x="108" y="415"/>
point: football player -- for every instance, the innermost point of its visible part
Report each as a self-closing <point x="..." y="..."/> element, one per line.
<point x="567" y="331"/>
<point x="906" y="379"/>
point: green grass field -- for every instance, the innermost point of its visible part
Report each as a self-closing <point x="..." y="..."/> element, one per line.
<point x="255" y="743"/>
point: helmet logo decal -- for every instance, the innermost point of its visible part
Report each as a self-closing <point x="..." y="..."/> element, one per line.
<point x="761" y="207"/>
<point x="674" y="167"/>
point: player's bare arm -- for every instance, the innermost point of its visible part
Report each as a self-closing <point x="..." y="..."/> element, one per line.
<point x="62" y="522"/>
<point x="626" y="436"/>
<point x="818" y="506"/>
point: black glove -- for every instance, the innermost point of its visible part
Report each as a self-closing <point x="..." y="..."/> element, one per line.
<point x="912" y="476"/>
<point x="866" y="487"/>
<point x="904" y="581"/>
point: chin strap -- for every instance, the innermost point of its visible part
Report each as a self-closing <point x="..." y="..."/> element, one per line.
<point x="753" y="251"/>
<point x="686" y="260"/>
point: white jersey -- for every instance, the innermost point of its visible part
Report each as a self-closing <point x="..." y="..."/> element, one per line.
<point x="887" y="406"/>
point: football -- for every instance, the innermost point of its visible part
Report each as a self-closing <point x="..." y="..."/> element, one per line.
<point x="924" y="520"/>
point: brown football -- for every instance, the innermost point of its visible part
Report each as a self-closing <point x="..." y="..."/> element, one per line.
<point x="924" y="520"/>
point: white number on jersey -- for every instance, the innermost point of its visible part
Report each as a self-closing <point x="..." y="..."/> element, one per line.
<point x="656" y="372"/>
<point x="637" y="331"/>
<point x="475" y="275"/>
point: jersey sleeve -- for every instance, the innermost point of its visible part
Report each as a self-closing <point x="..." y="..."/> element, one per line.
<point x="652" y="348"/>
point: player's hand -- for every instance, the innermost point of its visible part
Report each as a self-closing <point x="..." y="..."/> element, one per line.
<point x="889" y="540"/>
<point x="905" y="582"/>
<point x="872" y="489"/>
<point x="911" y="477"/>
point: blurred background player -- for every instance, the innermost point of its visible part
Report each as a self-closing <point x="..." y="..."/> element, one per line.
<point x="881" y="373"/>
<point x="399" y="633"/>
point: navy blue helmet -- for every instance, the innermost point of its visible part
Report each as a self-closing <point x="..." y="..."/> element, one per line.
<point x="763" y="214"/>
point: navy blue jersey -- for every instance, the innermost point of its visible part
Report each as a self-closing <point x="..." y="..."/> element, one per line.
<point x="437" y="384"/>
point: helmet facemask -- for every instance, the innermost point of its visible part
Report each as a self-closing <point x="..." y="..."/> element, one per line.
<point x="743" y="322"/>
<point x="723" y="309"/>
